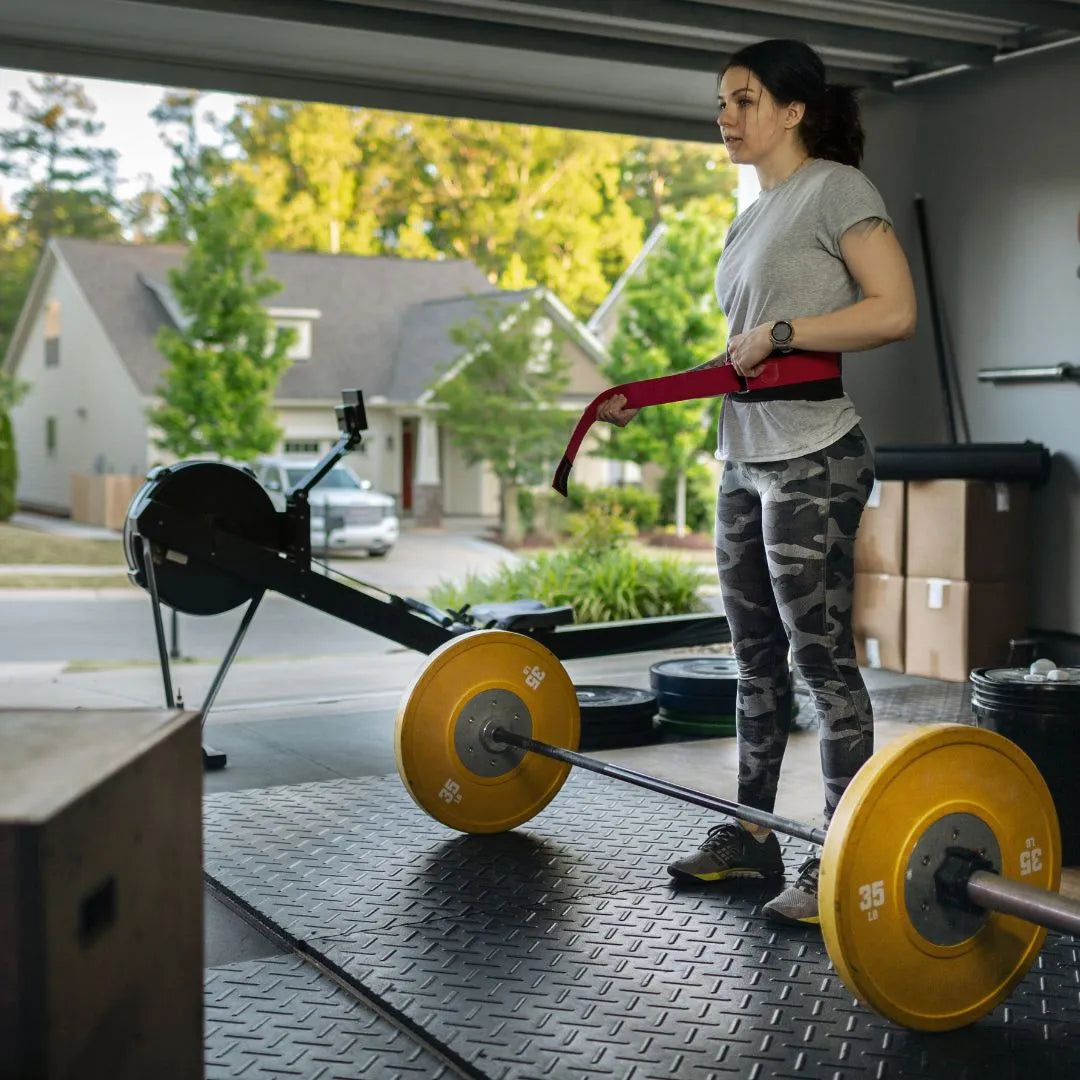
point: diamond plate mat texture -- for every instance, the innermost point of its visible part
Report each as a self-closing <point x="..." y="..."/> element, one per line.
<point x="560" y="950"/>
<point x="281" y="1017"/>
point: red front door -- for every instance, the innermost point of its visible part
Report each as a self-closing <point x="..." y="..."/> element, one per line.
<point x="408" y="444"/>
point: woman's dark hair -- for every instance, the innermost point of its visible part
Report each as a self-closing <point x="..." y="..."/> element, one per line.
<point x="792" y="71"/>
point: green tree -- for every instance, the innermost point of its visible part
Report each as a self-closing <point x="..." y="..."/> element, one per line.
<point x="64" y="185"/>
<point x="67" y="185"/>
<point x="501" y="399"/>
<point x="670" y="322"/>
<point x="225" y="362"/>
<point x="566" y="210"/>
<point x="662" y="175"/>
<point x="17" y="260"/>
<point x="528" y="205"/>
<point x="196" y="168"/>
<point x="11" y="391"/>
<point x="307" y="162"/>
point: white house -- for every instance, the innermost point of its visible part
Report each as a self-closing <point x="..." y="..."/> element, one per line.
<point x="85" y="344"/>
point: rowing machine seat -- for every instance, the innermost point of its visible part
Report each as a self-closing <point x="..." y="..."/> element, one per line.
<point x="520" y="615"/>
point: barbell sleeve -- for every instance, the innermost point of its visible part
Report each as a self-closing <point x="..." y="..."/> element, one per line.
<point x="498" y="734"/>
<point x="1011" y="897"/>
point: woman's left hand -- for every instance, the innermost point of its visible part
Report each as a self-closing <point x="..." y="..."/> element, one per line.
<point x="749" y="351"/>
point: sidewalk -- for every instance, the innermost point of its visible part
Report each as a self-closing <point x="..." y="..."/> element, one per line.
<point x="262" y="689"/>
<point x="61" y="526"/>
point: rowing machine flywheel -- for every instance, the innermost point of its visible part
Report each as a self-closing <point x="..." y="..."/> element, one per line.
<point x="209" y="492"/>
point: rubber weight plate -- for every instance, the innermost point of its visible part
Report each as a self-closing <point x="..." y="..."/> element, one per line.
<point x="696" y="703"/>
<point x="696" y="676"/>
<point x="611" y="739"/>
<point x="615" y="707"/>
<point x="694" y="724"/>
<point x="878" y="930"/>
<point x="228" y="496"/>
<point x="445" y="764"/>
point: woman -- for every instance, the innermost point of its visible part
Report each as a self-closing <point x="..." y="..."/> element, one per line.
<point x="812" y="266"/>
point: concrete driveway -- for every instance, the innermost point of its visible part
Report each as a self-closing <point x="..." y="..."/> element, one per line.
<point x="423" y="558"/>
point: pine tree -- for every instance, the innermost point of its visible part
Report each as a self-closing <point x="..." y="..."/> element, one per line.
<point x="64" y="185"/>
<point x="225" y="362"/>
<point x="502" y="404"/>
<point x="67" y="185"/>
<point x="195" y="170"/>
<point x="670" y="322"/>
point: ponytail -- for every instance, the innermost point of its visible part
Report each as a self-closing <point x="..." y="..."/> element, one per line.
<point x="792" y="71"/>
<point x="832" y="128"/>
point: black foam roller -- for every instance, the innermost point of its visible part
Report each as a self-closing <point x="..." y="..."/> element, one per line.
<point x="1026" y="462"/>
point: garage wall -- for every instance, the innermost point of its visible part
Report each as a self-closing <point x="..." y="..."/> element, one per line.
<point x="996" y="155"/>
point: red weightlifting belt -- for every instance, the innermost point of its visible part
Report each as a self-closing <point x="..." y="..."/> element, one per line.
<point x="789" y="370"/>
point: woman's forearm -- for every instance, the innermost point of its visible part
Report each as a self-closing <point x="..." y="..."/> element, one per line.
<point x="873" y="321"/>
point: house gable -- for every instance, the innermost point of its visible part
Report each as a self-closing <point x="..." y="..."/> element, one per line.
<point x="427" y="353"/>
<point x="83" y="413"/>
<point x="361" y="302"/>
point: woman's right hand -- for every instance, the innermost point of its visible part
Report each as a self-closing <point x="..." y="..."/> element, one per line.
<point x="614" y="411"/>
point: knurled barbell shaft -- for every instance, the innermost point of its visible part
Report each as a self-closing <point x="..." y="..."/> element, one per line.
<point x="997" y="893"/>
<point x="984" y="888"/>
<point x="654" y="783"/>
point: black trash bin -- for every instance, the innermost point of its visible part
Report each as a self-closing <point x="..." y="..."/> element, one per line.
<point x="1043" y="719"/>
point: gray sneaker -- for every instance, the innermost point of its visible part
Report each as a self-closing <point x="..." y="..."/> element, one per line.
<point x="798" y="903"/>
<point x="729" y="851"/>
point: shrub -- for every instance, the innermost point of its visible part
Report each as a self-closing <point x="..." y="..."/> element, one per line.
<point x="599" y="575"/>
<point x="8" y="467"/>
<point x="526" y="504"/>
<point x="700" y="498"/>
<point x="641" y="508"/>
<point x="597" y="530"/>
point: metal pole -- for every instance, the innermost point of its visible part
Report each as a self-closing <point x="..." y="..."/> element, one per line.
<point x="230" y="655"/>
<point x="997" y="893"/>
<point x="654" y="783"/>
<point x="159" y="628"/>
<point x="174" y="650"/>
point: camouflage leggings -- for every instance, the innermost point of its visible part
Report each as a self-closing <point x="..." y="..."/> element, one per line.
<point x="785" y="539"/>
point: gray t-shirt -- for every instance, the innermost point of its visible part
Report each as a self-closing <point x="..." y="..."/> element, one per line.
<point x="781" y="260"/>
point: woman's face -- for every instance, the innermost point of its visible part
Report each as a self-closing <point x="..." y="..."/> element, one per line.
<point x="750" y="120"/>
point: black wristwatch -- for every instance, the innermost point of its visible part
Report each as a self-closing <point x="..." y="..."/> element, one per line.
<point x="781" y="334"/>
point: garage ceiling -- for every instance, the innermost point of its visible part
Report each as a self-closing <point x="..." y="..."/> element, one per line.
<point x="636" y="66"/>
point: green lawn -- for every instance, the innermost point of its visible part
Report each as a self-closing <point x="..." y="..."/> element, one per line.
<point x="18" y="545"/>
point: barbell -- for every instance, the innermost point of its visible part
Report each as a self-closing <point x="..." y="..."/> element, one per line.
<point x="939" y="870"/>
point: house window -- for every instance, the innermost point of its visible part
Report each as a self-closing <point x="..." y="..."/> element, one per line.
<point x="300" y="349"/>
<point x="302" y="446"/>
<point x="52" y="333"/>
<point x="50" y="436"/>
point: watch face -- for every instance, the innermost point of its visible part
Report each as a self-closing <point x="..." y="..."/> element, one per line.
<point x="782" y="332"/>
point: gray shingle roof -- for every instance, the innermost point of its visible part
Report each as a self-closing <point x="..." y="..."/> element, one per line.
<point x="365" y="303"/>
<point x="425" y="348"/>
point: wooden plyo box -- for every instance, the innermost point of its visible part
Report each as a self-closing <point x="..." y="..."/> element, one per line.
<point x="101" y="905"/>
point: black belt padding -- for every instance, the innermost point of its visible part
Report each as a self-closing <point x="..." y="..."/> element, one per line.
<point x="820" y="390"/>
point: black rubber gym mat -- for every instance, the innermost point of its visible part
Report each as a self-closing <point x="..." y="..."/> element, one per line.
<point x="560" y="950"/>
<point x="283" y="1017"/>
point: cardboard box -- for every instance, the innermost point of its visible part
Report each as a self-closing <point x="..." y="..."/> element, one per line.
<point x="967" y="530"/>
<point x="954" y="626"/>
<point x="101" y="894"/>
<point x="877" y="618"/>
<point x="879" y="542"/>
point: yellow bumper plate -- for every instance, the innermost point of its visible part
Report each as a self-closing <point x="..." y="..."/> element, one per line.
<point x="443" y="764"/>
<point x="939" y="775"/>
